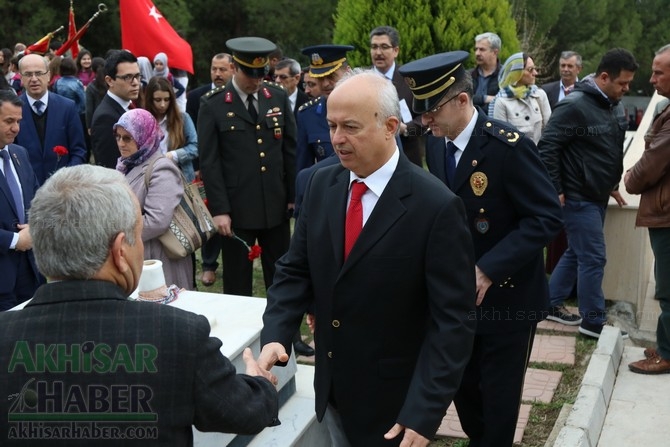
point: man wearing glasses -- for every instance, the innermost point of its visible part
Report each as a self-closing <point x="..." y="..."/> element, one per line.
<point x="122" y="74"/>
<point x="384" y="50"/>
<point x="287" y="73"/>
<point x="512" y="212"/>
<point x="49" y="120"/>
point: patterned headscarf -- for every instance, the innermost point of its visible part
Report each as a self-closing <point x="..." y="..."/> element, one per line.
<point x="146" y="132"/>
<point x="164" y="59"/>
<point x="510" y="75"/>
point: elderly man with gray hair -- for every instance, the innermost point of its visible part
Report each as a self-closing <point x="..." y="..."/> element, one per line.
<point x="485" y="74"/>
<point x="80" y="347"/>
<point x="287" y="73"/>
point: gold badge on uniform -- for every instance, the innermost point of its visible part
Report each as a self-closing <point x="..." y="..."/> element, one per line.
<point x="278" y="134"/>
<point x="478" y="182"/>
<point x="411" y="82"/>
<point x="316" y="59"/>
<point x="230" y="114"/>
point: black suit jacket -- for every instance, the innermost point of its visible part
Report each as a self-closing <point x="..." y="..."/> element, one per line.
<point x="513" y="212"/>
<point x="394" y="329"/>
<point x="104" y="147"/>
<point x="13" y="263"/>
<point x="552" y="89"/>
<point x="193" y="101"/>
<point x="414" y="143"/>
<point x="155" y="366"/>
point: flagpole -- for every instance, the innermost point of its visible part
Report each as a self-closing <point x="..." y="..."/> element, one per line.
<point x="66" y="46"/>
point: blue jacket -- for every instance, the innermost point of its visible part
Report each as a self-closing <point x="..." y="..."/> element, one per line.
<point x="72" y="88"/>
<point x="313" y="134"/>
<point x="186" y="154"/>
<point x="63" y="128"/>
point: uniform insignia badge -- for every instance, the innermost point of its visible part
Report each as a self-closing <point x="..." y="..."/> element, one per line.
<point x="478" y="182"/>
<point x="316" y="59"/>
<point x="512" y="136"/>
<point x="230" y="114"/>
<point x="411" y="82"/>
<point x="278" y="134"/>
<point x="482" y="223"/>
<point x="267" y="93"/>
<point x="320" y="151"/>
<point x="229" y="97"/>
<point x="276" y="109"/>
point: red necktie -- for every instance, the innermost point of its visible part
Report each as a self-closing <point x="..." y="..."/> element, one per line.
<point x="354" y="222"/>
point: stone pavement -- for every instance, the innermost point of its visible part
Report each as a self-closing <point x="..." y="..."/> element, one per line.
<point x="539" y="385"/>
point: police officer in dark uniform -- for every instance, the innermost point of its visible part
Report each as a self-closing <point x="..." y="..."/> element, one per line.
<point x="247" y="138"/>
<point x="512" y="212"/>
<point x="327" y="65"/>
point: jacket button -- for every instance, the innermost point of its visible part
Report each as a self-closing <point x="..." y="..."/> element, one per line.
<point x="330" y="354"/>
<point x="232" y="127"/>
<point x="260" y="141"/>
<point x="258" y="127"/>
<point x="262" y="154"/>
<point x="263" y="169"/>
<point x="336" y="323"/>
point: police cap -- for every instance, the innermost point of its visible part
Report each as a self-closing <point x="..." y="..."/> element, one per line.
<point x="325" y="59"/>
<point x="429" y="78"/>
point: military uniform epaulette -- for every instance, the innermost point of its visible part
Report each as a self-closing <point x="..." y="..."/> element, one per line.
<point x="503" y="132"/>
<point x="215" y="91"/>
<point x="308" y="104"/>
<point x="273" y="84"/>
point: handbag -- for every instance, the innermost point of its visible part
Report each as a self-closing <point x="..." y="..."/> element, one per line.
<point x="191" y="225"/>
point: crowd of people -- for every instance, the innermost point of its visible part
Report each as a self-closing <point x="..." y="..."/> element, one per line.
<point x="436" y="275"/>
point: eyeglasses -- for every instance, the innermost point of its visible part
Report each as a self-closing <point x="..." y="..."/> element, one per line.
<point x="383" y="47"/>
<point x="130" y="77"/>
<point x="30" y="74"/>
<point x="532" y="69"/>
<point x="437" y="109"/>
<point x="309" y="85"/>
<point x="125" y="138"/>
<point x="283" y="77"/>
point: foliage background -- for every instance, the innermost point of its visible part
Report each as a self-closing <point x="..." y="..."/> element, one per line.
<point x="541" y="27"/>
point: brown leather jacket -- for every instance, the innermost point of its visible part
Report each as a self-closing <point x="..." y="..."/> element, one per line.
<point x="650" y="176"/>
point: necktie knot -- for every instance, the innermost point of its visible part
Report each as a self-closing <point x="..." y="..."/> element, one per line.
<point x="39" y="107"/>
<point x="567" y="90"/>
<point x="357" y="190"/>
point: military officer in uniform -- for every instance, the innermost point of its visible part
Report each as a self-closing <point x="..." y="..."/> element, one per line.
<point x="513" y="212"/>
<point x="327" y="65"/>
<point x="247" y="138"/>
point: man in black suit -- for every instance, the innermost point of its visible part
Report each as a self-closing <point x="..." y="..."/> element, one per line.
<point x="82" y="348"/>
<point x="247" y="139"/>
<point x="221" y="71"/>
<point x="384" y="50"/>
<point x="122" y="74"/>
<point x="405" y="286"/>
<point x="287" y="73"/>
<point x="18" y="184"/>
<point x="570" y="65"/>
<point x="512" y="212"/>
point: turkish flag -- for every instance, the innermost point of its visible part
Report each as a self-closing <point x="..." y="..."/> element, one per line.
<point x="145" y="32"/>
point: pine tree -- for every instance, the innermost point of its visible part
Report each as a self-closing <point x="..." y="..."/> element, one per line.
<point x="425" y="27"/>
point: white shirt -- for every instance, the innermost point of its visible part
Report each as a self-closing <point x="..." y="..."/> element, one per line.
<point x="389" y="73"/>
<point x="376" y="183"/>
<point x="293" y="97"/>
<point x="44" y="99"/>
<point x="243" y="96"/>
<point x="122" y="102"/>
<point x="463" y="138"/>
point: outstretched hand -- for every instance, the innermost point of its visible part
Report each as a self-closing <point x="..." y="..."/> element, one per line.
<point x="270" y="354"/>
<point x="411" y="438"/>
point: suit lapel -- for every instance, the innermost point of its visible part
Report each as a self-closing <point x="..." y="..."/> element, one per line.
<point x="386" y="213"/>
<point x="4" y="186"/>
<point x="336" y="194"/>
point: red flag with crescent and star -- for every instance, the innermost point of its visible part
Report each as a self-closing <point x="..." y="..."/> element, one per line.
<point x="145" y="32"/>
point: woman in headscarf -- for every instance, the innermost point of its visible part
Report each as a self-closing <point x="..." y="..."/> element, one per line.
<point x="138" y="136"/>
<point x="162" y="70"/>
<point x="520" y="102"/>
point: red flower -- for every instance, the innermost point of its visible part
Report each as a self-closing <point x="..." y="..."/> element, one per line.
<point x="254" y="251"/>
<point x="60" y="151"/>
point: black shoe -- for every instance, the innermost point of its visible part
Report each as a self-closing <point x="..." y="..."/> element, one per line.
<point x="561" y="315"/>
<point x="594" y="330"/>
<point x="302" y="348"/>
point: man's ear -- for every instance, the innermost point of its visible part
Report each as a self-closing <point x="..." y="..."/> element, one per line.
<point x="118" y="252"/>
<point x="392" y="124"/>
